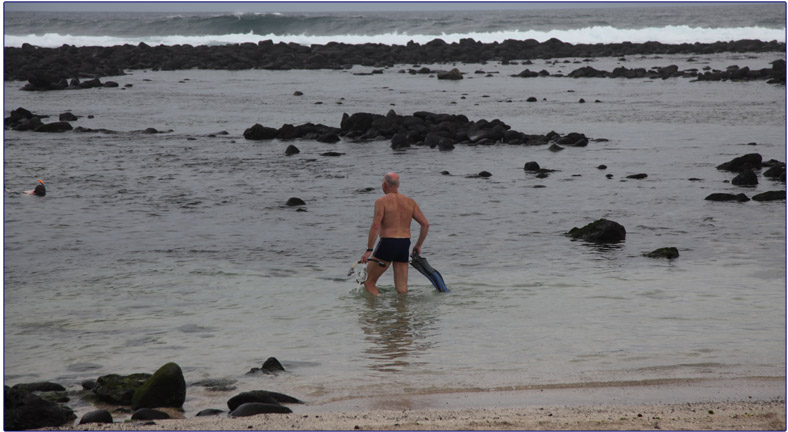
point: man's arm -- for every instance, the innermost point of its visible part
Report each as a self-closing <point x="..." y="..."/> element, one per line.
<point x="374" y="230"/>
<point x="425" y="226"/>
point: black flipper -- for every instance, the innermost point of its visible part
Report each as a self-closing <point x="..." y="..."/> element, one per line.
<point x="420" y="263"/>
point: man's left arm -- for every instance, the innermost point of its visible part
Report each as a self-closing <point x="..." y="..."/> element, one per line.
<point x="374" y="230"/>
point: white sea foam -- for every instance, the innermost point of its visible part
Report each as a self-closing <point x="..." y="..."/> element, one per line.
<point x="589" y="35"/>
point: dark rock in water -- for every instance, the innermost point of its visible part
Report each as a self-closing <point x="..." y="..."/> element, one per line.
<point x="67" y="117"/>
<point x="24" y="410"/>
<point x="399" y="141"/>
<point x="770" y="196"/>
<point x="118" y="389"/>
<point x="745" y="178"/>
<point x="331" y="154"/>
<point x="88" y="384"/>
<point x="727" y="197"/>
<point x="666" y="252"/>
<point x="272" y="365"/>
<point x="111" y="84"/>
<point x="531" y="99"/>
<point x="298" y="93"/>
<point x="600" y="231"/>
<point x="149" y="414"/>
<point x="293" y="202"/>
<point x="39" y="387"/>
<point x="609" y="176"/>
<point x="736" y="164"/>
<point x="637" y="176"/>
<point x="775" y="171"/>
<point x="98" y="416"/>
<point x="329" y="138"/>
<point x="445" y="173"/>
<point x="291" y="150"/>
<point x="531" y="166"/>
<point x="483" y="174"/>
<point x="453" y="74"/>
<point x="254" y="408"/>
<point x="54" y="127"/>
<point x="555" y="148"/>
<point x="166" y="388"/>
<point x="209" y="412"/>
<point x="259" y="132"/>
<point x="602" y="167"/>
<point x="219" y="385"/>
<point x="261" y="396"/>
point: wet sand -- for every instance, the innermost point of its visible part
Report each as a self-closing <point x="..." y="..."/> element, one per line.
<point x="671" y="404"/>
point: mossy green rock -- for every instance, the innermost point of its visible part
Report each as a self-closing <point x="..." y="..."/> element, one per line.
<point x="119" y="389"/>
<point x="666" y="252"/>
<point x="166" y="388"/>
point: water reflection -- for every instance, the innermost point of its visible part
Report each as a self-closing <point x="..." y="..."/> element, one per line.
<point x="398" y="329"/>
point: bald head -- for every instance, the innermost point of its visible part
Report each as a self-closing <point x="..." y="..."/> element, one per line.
<point x="391" y="179"/>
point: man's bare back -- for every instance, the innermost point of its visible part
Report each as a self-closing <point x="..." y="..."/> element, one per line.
<point x="393" y="214"/>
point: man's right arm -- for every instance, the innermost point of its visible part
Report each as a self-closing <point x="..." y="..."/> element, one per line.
<point x="425" y="226"/>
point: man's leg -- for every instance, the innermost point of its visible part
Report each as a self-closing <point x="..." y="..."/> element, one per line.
<point x="374" y="271"/>
<point x="401" y="277"/>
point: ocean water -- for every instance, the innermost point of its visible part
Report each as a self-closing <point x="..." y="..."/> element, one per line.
<point x="178" y="246"/>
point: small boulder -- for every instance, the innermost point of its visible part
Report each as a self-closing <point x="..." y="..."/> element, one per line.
<point x="637" y="176"/>
<point x="770" y="196"/>
<point x="98" y="416"/>
<point x="54" y="127"/>
<point x="600" y="231"/>
<point x="745" y="178"/>
<point x="40" y="387"/>
<point x="259" y="132"/>
<point x="723" y="197"/>
<point x="294" y="201"/>
<point x="166" y="388"/>
<point x="67" y="117"/>
<point x="453" y="74"/>
<point x="666" y="252"/>
<point x="531" y="166"/>
<point x="118" y="389"/>
<point x="291" y="150"/>
<point x="736" y="164"/>
<point x="254" y="408"/>
<point x="261" y="396"/>
<point x="272" y="365"/>
<point x="209" y="412"/>
<point x="149" y="414"/>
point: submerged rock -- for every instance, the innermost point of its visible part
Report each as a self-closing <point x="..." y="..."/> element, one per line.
<point x="272" y="365"/>
<point x="261" y="396"/>
<point x="727" y="197"/>
<point x="770" y="196"/>
<point x="737" y="164"/>
<point x="149" y="414"/>
<point x="746" y="178"/>
<point x="666" y="252"/>
<point x="294" y="201"/>
<point x="600" y="231"/>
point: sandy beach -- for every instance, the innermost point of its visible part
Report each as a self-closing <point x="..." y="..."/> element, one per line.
<point x="735" y="404"/>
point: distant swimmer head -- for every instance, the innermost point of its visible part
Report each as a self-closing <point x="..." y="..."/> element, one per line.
<point x="40" y="190"/>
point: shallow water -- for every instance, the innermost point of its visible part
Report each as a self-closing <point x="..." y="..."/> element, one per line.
<point x="178" y="246"/>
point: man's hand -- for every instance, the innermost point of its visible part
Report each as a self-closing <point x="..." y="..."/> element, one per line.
<point x="417" y="250"/>
<point x="365" y="257"/>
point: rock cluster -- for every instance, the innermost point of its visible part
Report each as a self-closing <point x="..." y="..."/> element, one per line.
<point x="45" y="67"/>
<point x="745" y="168"/>
<point x="421" y="128"/>
<point x="37" y="405"/>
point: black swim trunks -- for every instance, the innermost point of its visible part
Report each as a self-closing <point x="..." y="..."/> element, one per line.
<point x="393" y="249"/>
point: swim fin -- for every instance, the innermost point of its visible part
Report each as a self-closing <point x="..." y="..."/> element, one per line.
<point x="420" y="263"/>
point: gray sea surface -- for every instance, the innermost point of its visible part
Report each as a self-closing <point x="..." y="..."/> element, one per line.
<point x="178" y="246"/>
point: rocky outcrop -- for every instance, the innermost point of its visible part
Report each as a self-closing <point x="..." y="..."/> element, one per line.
<point x="119" y="389"/>
<point x="25" y="410"/>
<point x="52" y="68"/>
<point x="600" y="231"/>
<point x="752" y="160"/>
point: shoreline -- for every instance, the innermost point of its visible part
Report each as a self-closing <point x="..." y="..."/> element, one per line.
<point x="753" y="403"/>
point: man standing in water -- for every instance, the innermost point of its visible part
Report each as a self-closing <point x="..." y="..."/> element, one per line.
<point x="393" y="213"/>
